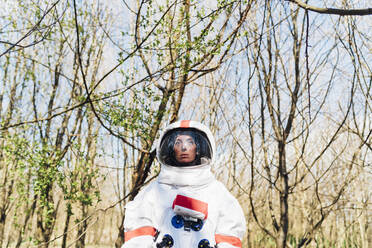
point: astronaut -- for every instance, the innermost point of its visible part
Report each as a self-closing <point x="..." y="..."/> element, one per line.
<point x="185" y="207"/>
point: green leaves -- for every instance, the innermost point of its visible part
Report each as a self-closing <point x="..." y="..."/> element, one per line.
<point x="133" y="115"/>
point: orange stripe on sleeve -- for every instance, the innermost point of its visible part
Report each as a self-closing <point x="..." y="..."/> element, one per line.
<point x="142" y="231"/>
<point x="228" y="239"/>
<point x="185" y="124"/>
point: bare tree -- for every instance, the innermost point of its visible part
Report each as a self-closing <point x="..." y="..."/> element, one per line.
<point x="284" y="108"/>
<point x="176" y="46"/>
<point x="265" y="76"/>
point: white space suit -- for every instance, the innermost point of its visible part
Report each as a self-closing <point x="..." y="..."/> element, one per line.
<point x="185" y="207"/>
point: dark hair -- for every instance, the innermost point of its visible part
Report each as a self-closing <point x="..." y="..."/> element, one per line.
<point x="203" y="147"/>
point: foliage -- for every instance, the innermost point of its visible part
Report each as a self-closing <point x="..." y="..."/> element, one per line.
<point x="83" y="98"/>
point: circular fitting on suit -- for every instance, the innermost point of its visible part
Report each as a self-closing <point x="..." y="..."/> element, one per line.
<point x="177" y="221"/>
<point x="204" y="243"/>
<point x="197" y="226"/>
<point x="166" y="242"/>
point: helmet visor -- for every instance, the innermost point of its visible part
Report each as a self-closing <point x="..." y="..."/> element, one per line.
<point x="185" y="147"/>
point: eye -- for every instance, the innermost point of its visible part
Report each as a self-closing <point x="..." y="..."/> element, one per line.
<point x="177" y="143"/>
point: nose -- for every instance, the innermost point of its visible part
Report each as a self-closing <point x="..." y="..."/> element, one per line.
<point x="183" y="148"/>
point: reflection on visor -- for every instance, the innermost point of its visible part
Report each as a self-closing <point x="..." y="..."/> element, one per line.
<point x="184" y="142"/>
<point x="185" y="147"/>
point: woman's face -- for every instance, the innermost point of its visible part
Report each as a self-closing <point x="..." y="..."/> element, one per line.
<point x="185" y="149"/>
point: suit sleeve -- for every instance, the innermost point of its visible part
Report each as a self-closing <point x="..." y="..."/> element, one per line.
<point x="231" y="225"/>
<point x="138" y="224"/>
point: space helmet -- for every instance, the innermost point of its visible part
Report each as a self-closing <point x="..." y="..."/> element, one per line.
<point x="198" y="134"/>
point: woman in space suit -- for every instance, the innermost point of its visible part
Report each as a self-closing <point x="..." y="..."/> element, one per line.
<point x="185" y="207"/>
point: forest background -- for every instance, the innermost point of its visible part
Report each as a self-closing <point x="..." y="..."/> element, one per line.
<point x="86" y="87"/>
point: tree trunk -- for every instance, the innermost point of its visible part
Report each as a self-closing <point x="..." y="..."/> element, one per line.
<point x="81" y="234"/>
<point x="45" y="227"/>
<point x="24" y="228"/>
<point x="120" y="239"/>
<point x="284" y="192"/>
<point x="2" y="227"/>
<point x="67" y="222"/>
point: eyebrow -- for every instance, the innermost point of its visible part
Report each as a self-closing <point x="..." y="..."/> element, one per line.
<point x="188" y="139"/>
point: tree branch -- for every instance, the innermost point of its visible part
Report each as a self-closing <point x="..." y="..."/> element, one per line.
<point x="332" y="11"/>
<point x="35" y="27"/>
